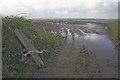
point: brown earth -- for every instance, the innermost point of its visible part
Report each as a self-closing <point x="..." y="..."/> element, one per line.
<point x="69" y="60"/>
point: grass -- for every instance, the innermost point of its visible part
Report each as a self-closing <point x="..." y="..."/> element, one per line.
<point x="12" y="47"/>
<point x="50" y="40"/>
<point x="21" y="68"/>
<point x="113" y="27"/>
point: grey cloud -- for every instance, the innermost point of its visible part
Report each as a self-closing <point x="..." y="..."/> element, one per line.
<point x="99" y="10"/>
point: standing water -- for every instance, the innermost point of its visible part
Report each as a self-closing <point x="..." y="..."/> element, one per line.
<point x="101" y="45"/>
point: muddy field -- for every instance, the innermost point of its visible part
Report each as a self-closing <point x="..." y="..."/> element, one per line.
<point x="85" y="51"/>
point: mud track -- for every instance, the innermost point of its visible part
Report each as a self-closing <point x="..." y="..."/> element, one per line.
<point x="70" y="60"/>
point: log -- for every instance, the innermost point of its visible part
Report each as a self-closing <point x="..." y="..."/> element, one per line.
<point x="29" y="46"/>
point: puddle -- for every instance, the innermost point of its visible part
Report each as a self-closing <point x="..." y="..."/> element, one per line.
<point x="104" y="50"/>
<point x="101" y="45"/>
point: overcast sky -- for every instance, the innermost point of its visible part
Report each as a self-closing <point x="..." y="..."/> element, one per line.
<point x="61" y="8"/>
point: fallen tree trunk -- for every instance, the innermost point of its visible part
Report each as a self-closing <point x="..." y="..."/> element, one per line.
<point x="29" y="46"/>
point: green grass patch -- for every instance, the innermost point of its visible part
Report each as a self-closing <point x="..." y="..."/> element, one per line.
<point x="21" y="68"/>
<point x="49" y="40"/>
<point x="52" y="42"/>
<point x="113" y="27"/>
<point x="12" y="47"/>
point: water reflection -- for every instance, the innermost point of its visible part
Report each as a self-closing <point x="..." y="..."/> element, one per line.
<point x="91" y="37"/>
<point x="103" y="48"/>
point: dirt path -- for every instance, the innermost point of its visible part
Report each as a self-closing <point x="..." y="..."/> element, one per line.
<point x="61" y="66"/>
<point x="67" y="63"/>
<point x="72" y="60"/>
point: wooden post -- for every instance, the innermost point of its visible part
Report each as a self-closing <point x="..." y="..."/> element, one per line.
<point x="29" y="47"/>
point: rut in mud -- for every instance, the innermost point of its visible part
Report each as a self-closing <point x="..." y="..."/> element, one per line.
<point x="73" y="61"/>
